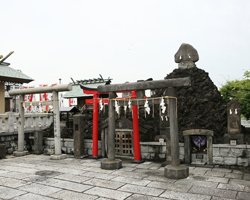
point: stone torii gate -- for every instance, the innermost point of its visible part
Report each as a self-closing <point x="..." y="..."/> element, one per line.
<point x="174" y="170"/>
<point x="57" y="134"/>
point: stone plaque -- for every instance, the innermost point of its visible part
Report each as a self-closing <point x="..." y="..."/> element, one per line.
<point x="233" y="117"/>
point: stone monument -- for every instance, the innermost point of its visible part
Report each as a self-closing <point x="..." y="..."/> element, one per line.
<point x="186" y="56"/>
<point x="234" y="135"/>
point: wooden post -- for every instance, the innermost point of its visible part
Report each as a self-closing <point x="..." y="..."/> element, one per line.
<point x="95" y="127"/>
<point x="136" y="131"/>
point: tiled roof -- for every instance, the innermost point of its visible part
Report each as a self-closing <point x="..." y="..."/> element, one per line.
<point x="9" y="74"/>
<point x="77" y="92"/>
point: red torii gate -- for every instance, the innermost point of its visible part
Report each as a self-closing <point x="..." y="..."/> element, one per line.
<point x="95" y="103"/>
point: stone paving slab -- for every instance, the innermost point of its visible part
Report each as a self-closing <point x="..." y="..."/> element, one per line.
<point x="243" y="195"/>
<point x="32" y="197"/>
<point x="39" y="189"/>
<point x="66" y="185"/>
<point x="219" y="198"/>
<point x="142" y="197"/>
<point x="73" y="178"/>
<point x="197" y="181"/>
<point x="215" y="173"/>
<point x="184" y="196"/>
<point x="38" y="177"/>
<point x="8" y="193"/>
<point x="170" y="186"/>
<point x="141" y="190"/>
<point x="104" y="183"/>
<point x="13" y="183"/>
<point x="213" y="192"/>
<point x="104" y="192"/>
<point x="233" y="175"/>
<point x="235" y="187"/>
<point x="129" y="180"/>
<point x="70" y="195"/>
<point x="99" y="175"/>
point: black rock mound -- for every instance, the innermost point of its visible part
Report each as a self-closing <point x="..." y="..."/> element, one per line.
<point x="200" y="106"/>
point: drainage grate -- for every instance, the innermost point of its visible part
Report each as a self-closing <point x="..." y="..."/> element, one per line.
<point x="123" y="142"/>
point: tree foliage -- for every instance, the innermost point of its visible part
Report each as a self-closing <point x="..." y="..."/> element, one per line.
<point x="239" y="90"/>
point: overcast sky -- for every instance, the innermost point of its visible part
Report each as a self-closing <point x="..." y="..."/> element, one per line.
<point x="125" y="40"/>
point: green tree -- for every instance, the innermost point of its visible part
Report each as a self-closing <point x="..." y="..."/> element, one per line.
<point x="239" y="90"/>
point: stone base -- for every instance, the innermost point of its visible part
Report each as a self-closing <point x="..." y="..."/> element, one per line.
<point x="138" y="161"/>
<point x="111" y="164"/>
<point x="81" y="157"/>
<point x="58" y="157"/>
<point x="94" y="157"/>
<point x="20" y="153"/>
<point x="176" y="172"/>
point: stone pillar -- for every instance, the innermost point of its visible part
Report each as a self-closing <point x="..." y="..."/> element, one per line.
<point x="234" y="123"/>
<point x="209" y="149"/>
<point x="38" y="142"/>
<point x="110" y="162"/>
<point x="187" y="149"/>
<point x="103" y="142"/>
<point x="174" y="170"/>
<point x="78" y="127"/>
<point x="2" y="98"/>
<point x="20" y="149"/>
<point x="57" y="132"/>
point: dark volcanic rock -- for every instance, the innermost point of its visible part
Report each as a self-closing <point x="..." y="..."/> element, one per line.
<point x="201" y="105"/>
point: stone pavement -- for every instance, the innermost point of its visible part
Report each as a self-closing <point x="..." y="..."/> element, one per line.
<point x="37" y="177"/>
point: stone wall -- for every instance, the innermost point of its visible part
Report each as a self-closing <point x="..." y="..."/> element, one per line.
<point x="10" y="142"/>
<point x="225" y="154"/>
<point x="68" y="146"/>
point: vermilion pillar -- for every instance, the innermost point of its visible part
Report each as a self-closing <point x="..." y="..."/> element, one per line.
<point x="95" y="126"/>
<point x="137" y="146"/>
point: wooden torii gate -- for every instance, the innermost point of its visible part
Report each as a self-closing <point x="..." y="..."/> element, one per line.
<point x="174" y="170"/>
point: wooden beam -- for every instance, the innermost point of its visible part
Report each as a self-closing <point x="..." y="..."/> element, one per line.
<point x="144" y="85"/>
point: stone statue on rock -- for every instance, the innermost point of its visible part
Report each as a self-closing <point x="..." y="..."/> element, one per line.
<point x="186" y="56"/>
